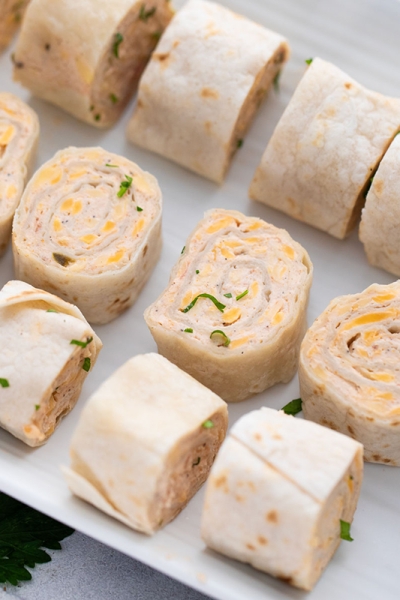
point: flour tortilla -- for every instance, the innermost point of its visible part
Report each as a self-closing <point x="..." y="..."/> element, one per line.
<point x="103" y="47"/>
<point x="235" y="255"/>
<point x="325" y="149"/>
<point x="141" y="449"/>
<point x="203" y="85"/>
<point x="277" y="492"/>
<point x="43" y="369"/>
<point x="98" y="248"/>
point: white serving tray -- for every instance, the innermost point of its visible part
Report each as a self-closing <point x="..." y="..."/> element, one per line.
<point x="362" y="37"/>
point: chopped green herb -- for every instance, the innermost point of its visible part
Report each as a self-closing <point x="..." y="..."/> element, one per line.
<point x="156" y="35"/>
<point x="188" y="330"/>
<point x="197" y="462"/>
<point x="62" y="260"/>
<point x="139" y="209"/>
<point x="207" y="424"/>
<point x="108" y="165"/>
<point x="125" y="185"/>
<point x="197" y="271"/>
<point x="52" y="310"/>
<point x="81" y="344"/>
<point x="118" y="39"/>
<point x="345" y="531"/>
<point x="308" y="61"/>
<point x="37" y="406"/>
<point x="86" y="364"/>
<point x="146" y="14"/>
<point x="239" y="143"/>
<point x="210" y="297"/>
<point x="293" y="407"/>
<point x="183" y="249"/>
<point x="242" y="294"/>
<point x="4" y="382"/>
<point x="228" y="295"/>
<point x="113" y="98"/>
<point x="97" y="117"/>
<point x="219" y="332"/>
<point x="23" y="532"/>
<point x="276" y="81"/>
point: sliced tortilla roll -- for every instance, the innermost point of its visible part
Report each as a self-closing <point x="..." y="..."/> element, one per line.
<point x="145" y="443"/>
<point x="11" y="13"/>
<point x="102" y="45"/>
<point x="278" y="492"/>
<point x="320" y="159"/>
<point x="19" y="133"/>
<point x="89" y="229"/>
<point x="349" y="374"/>
<point x="380" y="219"/>
<point x="234" y="312"/>
<point x="203" y="85"/>
<point x="47" y="350"/>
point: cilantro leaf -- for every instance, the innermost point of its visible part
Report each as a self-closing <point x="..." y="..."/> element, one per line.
<point x="345" y="531"/>
<point x="293" y="407"/>
<point x="24" y="532"/>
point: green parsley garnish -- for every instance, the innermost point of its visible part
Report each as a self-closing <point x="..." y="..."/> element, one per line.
<point x="62" y="260"/>
<point x="345" y="531"/>
<point x="197" y="462"/>
<point x="37" y="406"/>
<point x="86" y="364"/>
<point x="308" y="61"/>
<point x="207" y="424"/>
<point x="139" y="209"/>
<point x="276" y="81"/>
<point x="183" y="249"/>
<point x="228" y="295"/>
<point x="219" y="332"/>
<point x="125" y="185"/>
<point x="210" y="297"/>
<point x="197" y="271"/>
<point x="146" y="14"/>
<point x="4" y="382"/>
<point x="242" y="294"/>
<point x="81" y="344"/>
<point x="118" y="39"/>
<point x="97" y="117"/>
<point x="52" y="310"/>
<point x="156" y="35"/>
<point x="113" y="98"/>
<point x="23" y="532"/>
<point x="239" y="143"/>
<point x="188" y="330"/>
<point x="293" y="407"/>
<point x="109" y="165"/>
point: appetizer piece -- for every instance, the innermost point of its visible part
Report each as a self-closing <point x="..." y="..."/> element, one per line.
<point x="47" y="350"/>
<point x="145" y="443"/>
<point x="320" y="159"/>
<point x="19" y="133"/>
<point x="203" y="85"/>
<point x="102" y="46"/>
<point x="89" y="228"/>
<point x="281" y="495"/>
<point x="11" y="13"/>
<point x="349" y="373"/>
<point x="234" y="312"/>
<point x="380" y="218"/>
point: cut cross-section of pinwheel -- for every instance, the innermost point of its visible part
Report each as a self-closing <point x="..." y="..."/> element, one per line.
<point x="19" y="133"/>
<point x="47" y="350"/>
<point x="241" y="289"/>
<point x="349" y="370"/>
<point x="79" y="232"/>
<point x="87" y="56"/>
